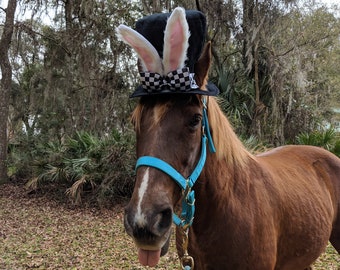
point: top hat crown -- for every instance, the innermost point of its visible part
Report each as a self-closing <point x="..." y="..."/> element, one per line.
<point x="152" y="28"/>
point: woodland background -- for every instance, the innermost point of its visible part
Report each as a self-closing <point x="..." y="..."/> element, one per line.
<point x="66" y="81"/>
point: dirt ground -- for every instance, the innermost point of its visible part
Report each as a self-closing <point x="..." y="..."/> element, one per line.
<point x="38" y="232"/>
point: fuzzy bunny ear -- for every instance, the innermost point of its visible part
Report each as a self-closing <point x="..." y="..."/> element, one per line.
<point x="176" y="41"/>
<point x="146" y="52"/>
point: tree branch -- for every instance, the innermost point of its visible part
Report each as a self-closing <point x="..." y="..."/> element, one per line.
<point x="198" y="6"/>
<point x="29" y="30"/>
<point x="303" y="44"/>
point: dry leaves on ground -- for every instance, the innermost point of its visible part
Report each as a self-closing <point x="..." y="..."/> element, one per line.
<point x="39" y="233"/>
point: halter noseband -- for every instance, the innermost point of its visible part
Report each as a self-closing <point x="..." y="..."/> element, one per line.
<point x="188" y="200"/>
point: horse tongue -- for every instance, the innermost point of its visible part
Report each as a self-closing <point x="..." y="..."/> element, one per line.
<point x="149" y="257"/>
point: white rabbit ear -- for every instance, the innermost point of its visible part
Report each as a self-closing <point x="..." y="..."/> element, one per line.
<point x="146" y="52"/>
<point x="176" y="41"/>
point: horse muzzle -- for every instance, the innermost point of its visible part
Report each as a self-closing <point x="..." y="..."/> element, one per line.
<point x="150" y="231"/>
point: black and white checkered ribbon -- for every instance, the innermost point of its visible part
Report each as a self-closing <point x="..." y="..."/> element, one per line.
<point x="177" y="80"/>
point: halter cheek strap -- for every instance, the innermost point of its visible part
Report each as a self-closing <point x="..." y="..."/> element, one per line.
<point x="188" y="201"/>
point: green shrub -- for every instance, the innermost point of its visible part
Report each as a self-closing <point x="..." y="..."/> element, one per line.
<point x="328" y="139"/>
<point x="83" y="165"/>
<point x="254" y="145"/>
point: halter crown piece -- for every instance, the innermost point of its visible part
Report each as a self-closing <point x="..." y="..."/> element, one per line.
<point x="168" y="46"/>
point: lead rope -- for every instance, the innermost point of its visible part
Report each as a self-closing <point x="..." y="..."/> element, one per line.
<point x="187" y="262"/>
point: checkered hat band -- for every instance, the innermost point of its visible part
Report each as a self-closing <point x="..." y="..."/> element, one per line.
<point x="177" y="80"/>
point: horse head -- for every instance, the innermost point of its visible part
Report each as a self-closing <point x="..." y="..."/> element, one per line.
<point x="168" y="122"/>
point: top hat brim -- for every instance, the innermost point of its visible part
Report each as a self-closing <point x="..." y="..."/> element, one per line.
<point x="211" y="90"/>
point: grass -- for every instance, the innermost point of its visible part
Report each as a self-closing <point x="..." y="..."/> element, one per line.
<point x="37" y="232"/>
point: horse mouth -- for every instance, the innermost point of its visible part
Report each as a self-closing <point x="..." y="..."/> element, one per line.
<point x="149" y="255"/>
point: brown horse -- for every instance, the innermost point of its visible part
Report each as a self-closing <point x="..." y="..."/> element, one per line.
<point x="276" y="210"/>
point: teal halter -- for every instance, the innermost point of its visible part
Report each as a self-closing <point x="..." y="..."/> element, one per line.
<point x="188" y="201"/>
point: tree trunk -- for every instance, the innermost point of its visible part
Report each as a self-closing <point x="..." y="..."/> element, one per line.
<point x="5" y="85"/>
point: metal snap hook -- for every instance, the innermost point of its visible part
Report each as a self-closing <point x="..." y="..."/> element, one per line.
<point x="187" y="262"/>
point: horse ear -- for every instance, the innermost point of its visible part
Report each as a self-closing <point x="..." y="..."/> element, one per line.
<point x="147" y="53"/>
<point x="202" y="66"/>
<point x="176" y="41"/>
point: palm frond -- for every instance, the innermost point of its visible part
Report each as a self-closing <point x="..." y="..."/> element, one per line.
<point x="77" y="188"/>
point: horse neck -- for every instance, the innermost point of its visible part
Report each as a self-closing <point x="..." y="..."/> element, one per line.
<point x="224" y="170"/>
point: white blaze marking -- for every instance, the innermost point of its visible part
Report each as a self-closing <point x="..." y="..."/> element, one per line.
<point x="140" y="217"/>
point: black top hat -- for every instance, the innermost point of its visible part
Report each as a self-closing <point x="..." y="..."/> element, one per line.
<point x="152" y="28"/>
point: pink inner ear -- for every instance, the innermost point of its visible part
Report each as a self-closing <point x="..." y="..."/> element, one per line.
<point x="176" y="45"/>
<point x="143" y="53"/>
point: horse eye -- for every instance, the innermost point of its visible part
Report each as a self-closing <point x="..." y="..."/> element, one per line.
<point x="196" y="119"/>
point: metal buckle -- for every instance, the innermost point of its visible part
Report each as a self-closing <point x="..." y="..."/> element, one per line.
<point x="187" y="262"/>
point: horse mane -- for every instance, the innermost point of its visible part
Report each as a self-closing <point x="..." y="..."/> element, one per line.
<point x="228" y="145"/>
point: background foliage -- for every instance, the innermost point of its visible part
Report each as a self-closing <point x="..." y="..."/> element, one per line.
<point x="84" y="165"/>
<point x="275" y="62"/>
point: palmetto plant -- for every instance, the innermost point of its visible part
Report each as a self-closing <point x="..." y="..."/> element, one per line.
<point x="236" y="97"/>
<point x="254" y="145"/>
<point x="336" y="148"/>
<point x="328" y="139"/>
<point x="86" y="163"/>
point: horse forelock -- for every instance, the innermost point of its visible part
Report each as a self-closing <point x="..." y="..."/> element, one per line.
<point x="159" y="110"/>
<point x="159" y="107"/>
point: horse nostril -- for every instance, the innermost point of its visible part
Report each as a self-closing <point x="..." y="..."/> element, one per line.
<point x="149" y="225"/>
<point x="143" y="233"/>
<point x="128" y="222"/>
<point x="165" y="219"/>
